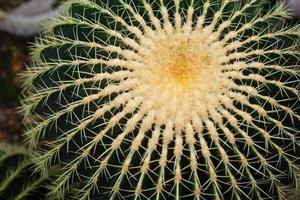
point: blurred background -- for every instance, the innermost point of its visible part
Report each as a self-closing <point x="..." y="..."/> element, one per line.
<point x="20" y="22"/>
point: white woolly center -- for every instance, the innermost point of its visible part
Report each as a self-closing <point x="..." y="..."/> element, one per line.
<point x="180" y="73"/>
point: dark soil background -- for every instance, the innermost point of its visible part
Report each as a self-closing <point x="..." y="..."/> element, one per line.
<point x="13" y="59"/>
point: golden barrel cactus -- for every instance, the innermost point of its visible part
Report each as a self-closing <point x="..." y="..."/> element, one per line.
<point x="157" y="99"/>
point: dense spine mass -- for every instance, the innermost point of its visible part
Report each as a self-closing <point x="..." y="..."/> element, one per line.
<point x="179" y="99"/>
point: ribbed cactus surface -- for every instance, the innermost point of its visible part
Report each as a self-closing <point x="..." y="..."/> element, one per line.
<point x="17" y="180"/>
<point x="157" y="99"/>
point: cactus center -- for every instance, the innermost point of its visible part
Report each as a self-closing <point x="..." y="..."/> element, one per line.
<point x="182" y="62"/>
<point x="177" y="66"/>
<point x="180" y="69"/>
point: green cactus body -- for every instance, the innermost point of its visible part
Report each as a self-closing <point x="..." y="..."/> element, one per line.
<point x="178" y="99"/>
<point x="17" y="180"/>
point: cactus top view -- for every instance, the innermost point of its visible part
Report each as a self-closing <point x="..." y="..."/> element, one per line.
<point x="166" y="99"/>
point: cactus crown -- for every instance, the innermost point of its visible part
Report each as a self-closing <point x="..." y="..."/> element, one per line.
<point x="178" y="99"/>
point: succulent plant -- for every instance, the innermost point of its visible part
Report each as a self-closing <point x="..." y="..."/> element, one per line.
<point x="180" y="99"/>
<point x="17" y="180"/>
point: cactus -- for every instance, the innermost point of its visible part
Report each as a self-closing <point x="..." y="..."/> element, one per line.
<point x="180" y="99"/>
<point x="17" y="180"/>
